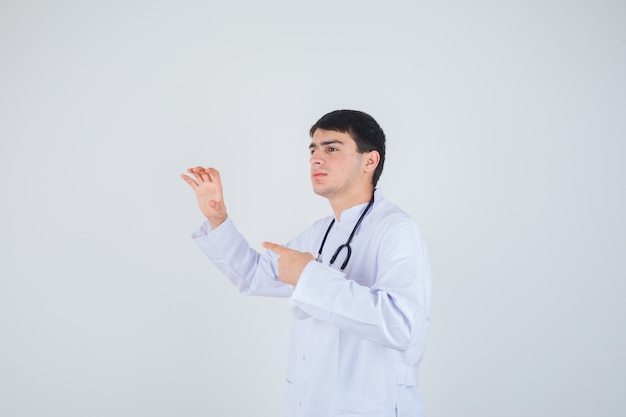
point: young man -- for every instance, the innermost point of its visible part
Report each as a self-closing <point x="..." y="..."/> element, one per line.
<point x="359" y="280"/>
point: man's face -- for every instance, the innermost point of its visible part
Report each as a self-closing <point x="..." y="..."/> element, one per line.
<point x="337" y="168"/>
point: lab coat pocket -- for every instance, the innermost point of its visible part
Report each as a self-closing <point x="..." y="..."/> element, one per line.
<point x="357" y="407"/>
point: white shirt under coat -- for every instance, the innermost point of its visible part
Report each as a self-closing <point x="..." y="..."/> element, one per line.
<point x="357" y="336"/>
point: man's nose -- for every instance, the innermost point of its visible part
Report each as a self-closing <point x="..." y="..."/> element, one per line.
<point x="316" y="157"/>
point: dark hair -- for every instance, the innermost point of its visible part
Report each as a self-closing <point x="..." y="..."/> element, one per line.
<point x="361" y="127"/>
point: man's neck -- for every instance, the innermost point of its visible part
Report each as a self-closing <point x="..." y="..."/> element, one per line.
<point x="341" y="203"/>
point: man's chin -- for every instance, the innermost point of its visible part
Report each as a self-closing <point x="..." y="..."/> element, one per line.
<point x="323" y="192"/>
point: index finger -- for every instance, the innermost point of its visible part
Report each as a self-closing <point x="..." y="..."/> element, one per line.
<point x="275" y="247"/>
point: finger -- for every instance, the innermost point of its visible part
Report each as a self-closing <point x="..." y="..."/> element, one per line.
<point x="275" y="247"/>
<point x="189" y="181"/>
<point x="204" y="173"/>
<point x="215" y="176"/>
<point x="200" y="174"/>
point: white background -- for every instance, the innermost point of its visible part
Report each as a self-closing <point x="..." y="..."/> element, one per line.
<point x="506" y="126"/>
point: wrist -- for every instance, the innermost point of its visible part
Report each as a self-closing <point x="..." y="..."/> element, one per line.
<point x="216" y="222"/>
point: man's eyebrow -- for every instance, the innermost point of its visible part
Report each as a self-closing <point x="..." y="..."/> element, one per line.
<point x="326" y="142"/>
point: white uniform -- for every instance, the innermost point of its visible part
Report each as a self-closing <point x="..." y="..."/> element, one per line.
<point x="357" y="336"/>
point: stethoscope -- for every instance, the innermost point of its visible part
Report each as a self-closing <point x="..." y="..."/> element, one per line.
<point x="345" y="245"/>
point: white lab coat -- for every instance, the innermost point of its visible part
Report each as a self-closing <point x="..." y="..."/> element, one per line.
<point x="357" y="336"/>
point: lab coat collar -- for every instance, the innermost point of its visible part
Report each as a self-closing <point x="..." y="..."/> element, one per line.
<point x="353" y="213"/>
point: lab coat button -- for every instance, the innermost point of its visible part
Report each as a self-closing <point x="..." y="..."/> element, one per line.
<point x="300" y="403"/>
<point x="303" y="357"/>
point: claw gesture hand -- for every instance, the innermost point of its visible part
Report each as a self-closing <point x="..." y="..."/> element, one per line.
<point x="208" y="188"/>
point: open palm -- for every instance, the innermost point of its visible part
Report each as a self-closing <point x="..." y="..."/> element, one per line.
<point x="207" y="186"/>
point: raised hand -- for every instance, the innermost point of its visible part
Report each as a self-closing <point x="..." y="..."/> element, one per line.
<point x="208" y="188"/>
<point x="291" y="262"/>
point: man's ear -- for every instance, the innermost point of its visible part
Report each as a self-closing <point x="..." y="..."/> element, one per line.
<point x="372" y="159"/>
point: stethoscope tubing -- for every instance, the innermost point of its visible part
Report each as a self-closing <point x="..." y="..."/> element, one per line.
<point x="345" y="245"/>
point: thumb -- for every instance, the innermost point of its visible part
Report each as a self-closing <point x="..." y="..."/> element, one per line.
<point x="216" y="205"/>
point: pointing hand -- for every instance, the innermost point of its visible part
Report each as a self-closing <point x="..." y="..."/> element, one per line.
<point x="291" y="262"/>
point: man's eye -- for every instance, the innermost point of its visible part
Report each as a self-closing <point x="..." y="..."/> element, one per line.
<point x="331" y="149"/>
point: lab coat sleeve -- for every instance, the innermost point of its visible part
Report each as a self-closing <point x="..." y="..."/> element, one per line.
<point x="394" y="311"/>
<point x="251" y="272"/>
